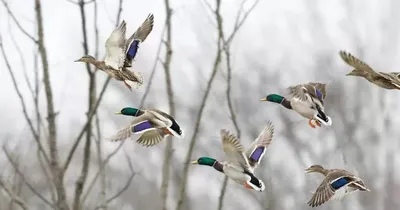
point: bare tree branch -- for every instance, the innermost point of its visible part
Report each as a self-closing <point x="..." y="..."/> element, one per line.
<point x="21" y="98"/>
<point x="125" y="187"/>
<point x="14" y="198"/>
<point x="39" y="119"/>
<point x="196" y="129"/>
<point x="84" y="2"/>
<point x="18" y="171"/>
<point x="153" y="70"/>
<point x="119" y="12"/>
<point x="93" y="112"/>
<point x="238" y="23"/>
<point x="99" y="148"/>
<point x="171" y="104"/>
<point x="22" y="60"/>
<point x="103" y="163"/>
<point x="226" y="48"/>
<point x="46" y="175"/>
<point x="57" y="172"/>
<point x="5" y="4"/>
<point x="83" y="130"/>
<point x="222" y="193"/>
<point x="77" y="204"/>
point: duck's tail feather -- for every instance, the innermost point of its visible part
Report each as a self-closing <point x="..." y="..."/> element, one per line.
<point x="138" y="82"/>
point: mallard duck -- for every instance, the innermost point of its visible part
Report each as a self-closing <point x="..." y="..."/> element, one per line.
<point x="390" y="80"/>
<point x="337" y="183"/>
<point x="120" y="53"/>
<point x="241" y="163"/>
<point x="307" y="100"/>
<point x="152" y="124"/>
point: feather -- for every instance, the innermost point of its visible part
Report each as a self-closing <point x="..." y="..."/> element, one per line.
<point x="121" y="134"/>
<point x="115" y="46"/>
<point x="255" y="152"/>
<point x="340" y="183"/>
<point x="151" y="138"/>
<point x="142" y="127"/>
<point x="234" y="150"/>
<point x="132" y="44"/>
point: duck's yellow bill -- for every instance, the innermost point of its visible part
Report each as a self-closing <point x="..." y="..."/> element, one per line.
<point x="194" y="162"/>
<point x="263" y="99"/>
<point x="117" y="112"/>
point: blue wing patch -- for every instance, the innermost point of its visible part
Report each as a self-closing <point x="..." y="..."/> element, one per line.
<point x="339" y="183"/>
<point x="133" y="49"/>
<point x="318" y="93"/>
<point x="256" y="155"/>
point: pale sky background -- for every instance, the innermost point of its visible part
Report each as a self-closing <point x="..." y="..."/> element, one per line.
<point x="298" y="40"/>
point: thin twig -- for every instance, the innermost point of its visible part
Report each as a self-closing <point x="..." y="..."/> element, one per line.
<point x="17" y="170"/>
<point x="91" y="114"/>
<point x="77" y="3"/>
<point x="47" y="176"/>
<point x="104" y="162"/>
<point x="22" y="61"/>
<point x="101" y="165"/>
<point x="22" y="101"/>
<point x="83" y="130"/>
<point x="153" y="70"/>
<point x="39" y="119"/>
<point x="13" y="197"/>
<point x="80" y="182"/>
<point x="240" y="23"/>
<point x="227" y="47"/>
<point x="171" y="104"/>
<point x="196" y="129"/>
<point x="57" y="173"/>
<point x="125" y="187"/>
<point x="17" y="22"/>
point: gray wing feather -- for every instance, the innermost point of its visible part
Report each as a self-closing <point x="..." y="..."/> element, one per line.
<point x="121" y="134"/>
<point x="234" y="150"/>
<point x="151" y="138"/>
<point x="143" y="31"/>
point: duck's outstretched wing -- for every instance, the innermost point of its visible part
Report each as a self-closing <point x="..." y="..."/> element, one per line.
<point x="234" y="150"/>
<point x="323" y="193"/>
<point x="358" y="64"/>
<point x="332" y="187"/>
<point x="319" y="90"/>
<point x="132" y="44"/>
<point x="393" y="77"/>
<point x="151" y="137"/>
<point x="115" y="47"/>
<point x="137" y="126"/>
<point x="257" y="149"/>
<point x="299" y="92"/>
<point x="122" y="134"/>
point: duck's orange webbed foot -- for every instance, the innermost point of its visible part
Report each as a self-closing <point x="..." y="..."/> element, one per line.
<point x="318" y="123"/>
<point x="310" y="123"/>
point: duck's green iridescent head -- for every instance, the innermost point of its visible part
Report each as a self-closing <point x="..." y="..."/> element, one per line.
<point x="129" y="111"/>
<point x="205" y="161"/>
<point x="273" y="98"/>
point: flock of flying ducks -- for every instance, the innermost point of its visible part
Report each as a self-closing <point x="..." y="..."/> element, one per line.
<point x="152" y="125"/>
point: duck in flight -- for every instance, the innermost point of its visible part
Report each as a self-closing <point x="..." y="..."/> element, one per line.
<point x="120" y="52"/>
